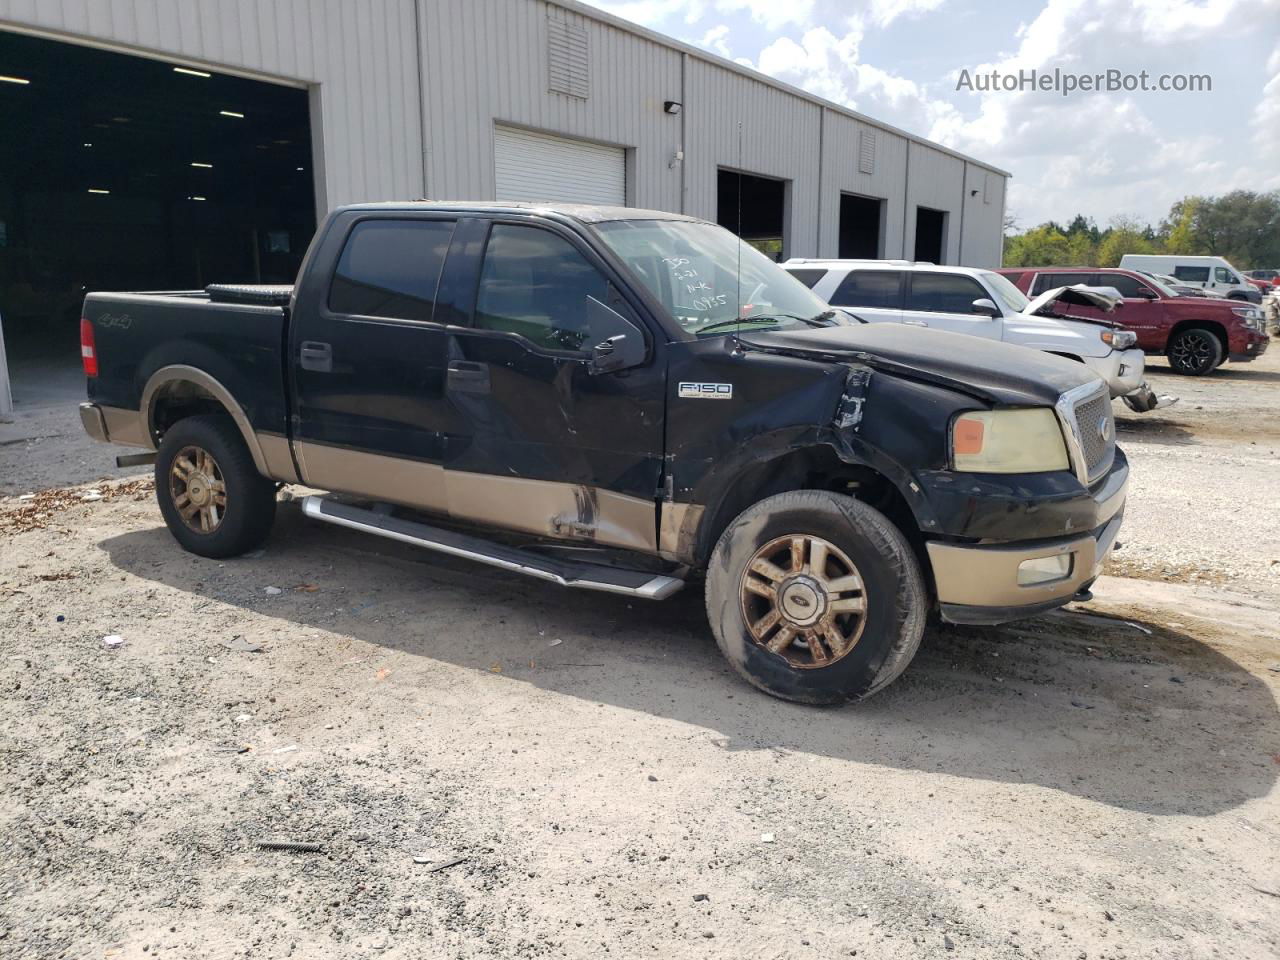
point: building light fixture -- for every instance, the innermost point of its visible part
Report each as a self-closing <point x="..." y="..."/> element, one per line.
<point x="88" y="144"/>
<point x="202" y="166"/>
<point x="197" y="197"/>
<point x="20" y="81"/>
<point x="192" y="73"/>
<point x="672" y="107"/>
<point x="98" y="190"/>
<point x="230" y="113"/>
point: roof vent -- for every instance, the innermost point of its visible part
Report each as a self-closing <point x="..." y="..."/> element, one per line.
<point x="567" y="62"/>
<point x="866" y="151"/>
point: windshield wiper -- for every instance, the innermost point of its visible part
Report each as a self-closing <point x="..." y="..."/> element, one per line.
<point x="820" y="320"/>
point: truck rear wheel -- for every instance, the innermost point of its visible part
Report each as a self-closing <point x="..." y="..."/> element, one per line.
<point x="815" y="597"/>
<point x="212" y="497"/>
<point x="1195" y="352"/>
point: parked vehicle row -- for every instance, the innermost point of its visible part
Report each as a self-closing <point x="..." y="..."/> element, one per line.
<point x="624" y="400"/>
<point x="1208" y="273"/>
<point x="982" y="303"/>
<point x="1197" y="334"/>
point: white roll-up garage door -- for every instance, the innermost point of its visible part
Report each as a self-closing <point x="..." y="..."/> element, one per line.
<point x="537" y="166"/>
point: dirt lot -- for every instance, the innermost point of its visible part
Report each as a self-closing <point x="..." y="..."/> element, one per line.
<point x="1099" y="782"/>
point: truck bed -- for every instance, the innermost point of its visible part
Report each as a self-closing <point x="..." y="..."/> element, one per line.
<point x="236" y="334"/>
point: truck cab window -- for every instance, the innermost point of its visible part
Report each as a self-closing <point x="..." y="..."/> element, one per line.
<point x="536" y="284"/>
<point x="390" y="268"/>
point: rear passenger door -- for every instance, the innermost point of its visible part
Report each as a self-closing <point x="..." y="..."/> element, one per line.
<point x="944" y="301"/>
<point x="368" y="360"/>
<point x="872" y="295"/>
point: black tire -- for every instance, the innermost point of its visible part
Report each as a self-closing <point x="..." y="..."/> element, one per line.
<point x="896" y="602"/>
<point x="1195" y="352"/>
<point x="243" y="518"/>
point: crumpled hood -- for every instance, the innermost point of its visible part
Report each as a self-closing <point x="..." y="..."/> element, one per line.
<point x="1000" y="373"/>
<point x="1078" y="295"/>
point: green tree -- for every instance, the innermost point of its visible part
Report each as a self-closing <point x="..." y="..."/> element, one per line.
<point x="1038" y="247"/>
<point x="1125" y="235"/>
<point x="1179" y="229"/>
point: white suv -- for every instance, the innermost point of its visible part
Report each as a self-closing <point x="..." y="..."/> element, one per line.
<point x="983" y="304"/>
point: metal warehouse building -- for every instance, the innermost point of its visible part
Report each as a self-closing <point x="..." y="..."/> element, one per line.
<point x="162" y="144"/>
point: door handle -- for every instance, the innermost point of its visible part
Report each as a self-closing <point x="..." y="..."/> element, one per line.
<point x="467" y="376"/>
<point x="916" y="323"/>
<point x="316" y="356"/>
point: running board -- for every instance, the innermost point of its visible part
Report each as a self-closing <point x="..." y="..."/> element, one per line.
<point x="567" y="573"/>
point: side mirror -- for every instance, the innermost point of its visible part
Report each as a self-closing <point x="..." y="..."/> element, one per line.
<point x="985" y="305"/>
<point x="614" y="341"/>
<point x="1146" y="293"/>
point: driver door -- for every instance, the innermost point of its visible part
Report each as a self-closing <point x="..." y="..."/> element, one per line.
<point x="542" y="442"/>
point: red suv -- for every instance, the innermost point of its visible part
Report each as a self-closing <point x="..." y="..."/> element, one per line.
<point x="1197" y="334"/>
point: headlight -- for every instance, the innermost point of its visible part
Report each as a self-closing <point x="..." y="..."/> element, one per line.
<point x="1027" y="440"/>
<point x="1119" y="339"/>
<point x="1251" y="316"/>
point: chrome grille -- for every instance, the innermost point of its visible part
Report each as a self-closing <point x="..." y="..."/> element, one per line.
<point x="1086" y="413"/>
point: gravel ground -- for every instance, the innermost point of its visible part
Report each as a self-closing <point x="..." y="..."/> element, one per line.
<point x="496" y="768"/>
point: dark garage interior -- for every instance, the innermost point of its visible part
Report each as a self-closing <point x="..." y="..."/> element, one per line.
<point x="931" y="235"/>
<point x="861" y="227"/>
<point x="125" y="173"/>
<point x="754" y="208"/>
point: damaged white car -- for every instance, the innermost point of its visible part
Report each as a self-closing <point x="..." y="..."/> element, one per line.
<point x="983" y="303"/>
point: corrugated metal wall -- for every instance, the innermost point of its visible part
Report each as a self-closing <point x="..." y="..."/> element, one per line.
<point x="484" y="62"/>
<point x="840" y="174"/>
<point x="471" y="83"/>
<point x="360" y="59"/>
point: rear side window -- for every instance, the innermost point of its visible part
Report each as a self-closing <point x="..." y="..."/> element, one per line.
<point x="1192" y="274"/>
<point x="808" y="277"/>
<point x="536" y="284"/>
<point x="1127" y="285"/>
<point x="870" y="288"/>
<point x="390" y="268"/>
<point x="944" y="293"/>
<point x="1047" y="281"/>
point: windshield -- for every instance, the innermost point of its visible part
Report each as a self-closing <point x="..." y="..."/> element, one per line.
<point x="1010" y="297"/>
<point x="693" y="268"/>
<point x="1162" y="284"/>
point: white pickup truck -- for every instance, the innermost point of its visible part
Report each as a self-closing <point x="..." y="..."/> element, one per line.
<point x="982" y="303"/>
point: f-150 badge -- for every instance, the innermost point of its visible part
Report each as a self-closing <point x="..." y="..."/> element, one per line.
<point x="706" y="391"/>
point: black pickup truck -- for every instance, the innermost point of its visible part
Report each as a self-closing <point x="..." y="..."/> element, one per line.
<point x="623" y="400"/>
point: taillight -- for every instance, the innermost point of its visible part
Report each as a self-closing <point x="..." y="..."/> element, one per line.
<point x="88" y="355"/>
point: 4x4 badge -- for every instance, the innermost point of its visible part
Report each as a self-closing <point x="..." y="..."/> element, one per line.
<point x="706" y="391"/>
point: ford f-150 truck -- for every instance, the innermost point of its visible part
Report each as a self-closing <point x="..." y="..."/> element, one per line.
<point x="623" y="400"/>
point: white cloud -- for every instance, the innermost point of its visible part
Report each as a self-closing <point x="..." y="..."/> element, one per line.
<point x="772" y="14"/>
<point x="884" y="12"/>
<point x="714" y="40"/>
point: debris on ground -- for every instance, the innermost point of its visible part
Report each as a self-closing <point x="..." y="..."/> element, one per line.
<point x="113" y="640"/>
<point x="35" y="511"/>
<point x="239" y="644"/>
<point x="295" y="846"/>
<point x="272" y="591"/>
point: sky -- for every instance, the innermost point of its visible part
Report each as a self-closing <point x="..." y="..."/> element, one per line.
<point x="1106" y="155"/>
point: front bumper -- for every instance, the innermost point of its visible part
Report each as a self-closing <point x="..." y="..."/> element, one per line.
<point x="1121" y="369"/>
<point x="1255" y="347"/>
<point x="978" y="583"/>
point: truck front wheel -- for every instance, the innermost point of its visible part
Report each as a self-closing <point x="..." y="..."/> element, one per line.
<point x="815" y="597"/>
<point x="212" y="497"/>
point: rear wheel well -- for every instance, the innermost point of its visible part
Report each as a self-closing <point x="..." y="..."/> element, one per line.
<point x="177" y="400"/>
<point x="1217" y="329"/>
<point x="818" y="468"/>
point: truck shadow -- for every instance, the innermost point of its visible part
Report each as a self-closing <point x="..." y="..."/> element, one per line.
<point x="1156" y="429"/>
<point x="1156" y="722"/>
